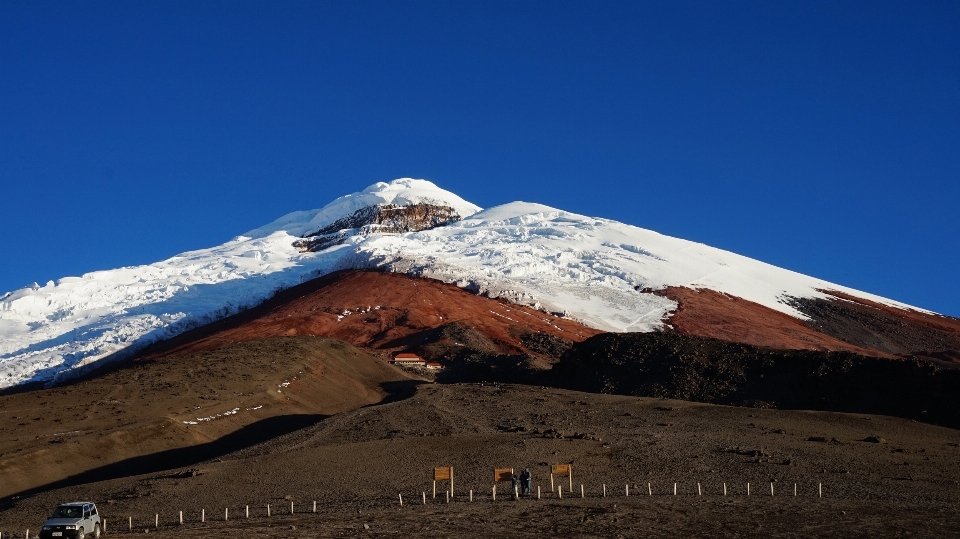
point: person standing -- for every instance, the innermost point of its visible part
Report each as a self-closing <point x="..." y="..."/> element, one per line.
<point x="525" y="481"/>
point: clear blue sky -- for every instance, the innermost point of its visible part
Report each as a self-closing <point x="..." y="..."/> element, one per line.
<point x="820" y="137"/>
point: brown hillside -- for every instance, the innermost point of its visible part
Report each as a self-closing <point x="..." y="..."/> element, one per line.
<point x="249" y="391"/>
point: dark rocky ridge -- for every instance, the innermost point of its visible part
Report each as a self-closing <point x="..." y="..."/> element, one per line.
<point x="675" y="366"/>
<point x="388" y="219"/>
<point x="867" y="325"/>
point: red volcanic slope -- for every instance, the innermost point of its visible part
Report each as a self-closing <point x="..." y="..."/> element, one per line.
<point x="375" y="310"/>
<point x="842" y="323"/>
<point x="707" y="313"/>
<point x="387" y="311"/>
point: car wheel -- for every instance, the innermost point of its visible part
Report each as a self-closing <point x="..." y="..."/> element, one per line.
<point x="80" y="533"/>
<point x="96" y="531"/>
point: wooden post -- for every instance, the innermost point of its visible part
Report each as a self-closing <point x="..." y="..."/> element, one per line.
<point x="434" y="489"/>
<point x="315" y="505"/>
<point x="604" y="490"/>
<point x="794" y="490"/>
<point x="516" y="493"/>
<point x="538" y="492"/>
<point x="674" y="489"/>
<point x="247" y="511"/>
<point x="820" y="489"/>
<point x="551" y="482"/>
<point x="104" y="522"/>
<point x="156" y="520"/>
<point x="570" y="476"/>
<point x="771" y="489"/>
<point x="226" y="513"/>
<point x="451" y="481"/>
<point x="129" y="523"/>
<point x="649" y="490"/>
<point x="748" y="489"/>
<point x="181" y="518"/>
<point x="581" y="490"/>
<point x="268" y="509"/>
<point x="448" y="497"/>
<point x="724" y="489"/>
<point x="424" y="497"/>
<point x="291" y="508"/>
<point x="699" y="492"/>
<point x="203" y="515"/>
<point x="401" y="499"/>
<point x="471" y="495"/>
<point x="626" y="489"/>
<point x="494" y="492"/>
<point x="560" y="491"/>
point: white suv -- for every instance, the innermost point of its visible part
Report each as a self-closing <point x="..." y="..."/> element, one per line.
<point x="73" y="520"/>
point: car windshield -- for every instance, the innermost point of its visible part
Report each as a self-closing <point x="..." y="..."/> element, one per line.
<point x="68" y="511"/>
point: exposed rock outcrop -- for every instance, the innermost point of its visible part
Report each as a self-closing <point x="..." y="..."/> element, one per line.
<point x="384" y="219"/>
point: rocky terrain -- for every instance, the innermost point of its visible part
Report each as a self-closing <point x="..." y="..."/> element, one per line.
<point x="383" y="219"/>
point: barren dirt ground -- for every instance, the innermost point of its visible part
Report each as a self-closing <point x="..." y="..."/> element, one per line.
<point x="881" y="476"/>
<point x="232" y="397"/>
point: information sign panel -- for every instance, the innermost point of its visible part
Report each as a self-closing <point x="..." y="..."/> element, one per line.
<point x="443" y="473"/>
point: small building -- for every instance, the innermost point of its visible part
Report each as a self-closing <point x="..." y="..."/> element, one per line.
<point x="433" y="365"/>
<point x="407" y="358"/>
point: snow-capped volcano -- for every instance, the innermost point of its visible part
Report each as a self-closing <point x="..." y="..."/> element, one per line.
<point x="597" y="271"/>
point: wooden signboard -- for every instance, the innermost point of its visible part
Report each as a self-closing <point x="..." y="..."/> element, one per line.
<point x="502" y="474"/>
<point x="561" y="470"/>
<point x="442" y="473"/>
